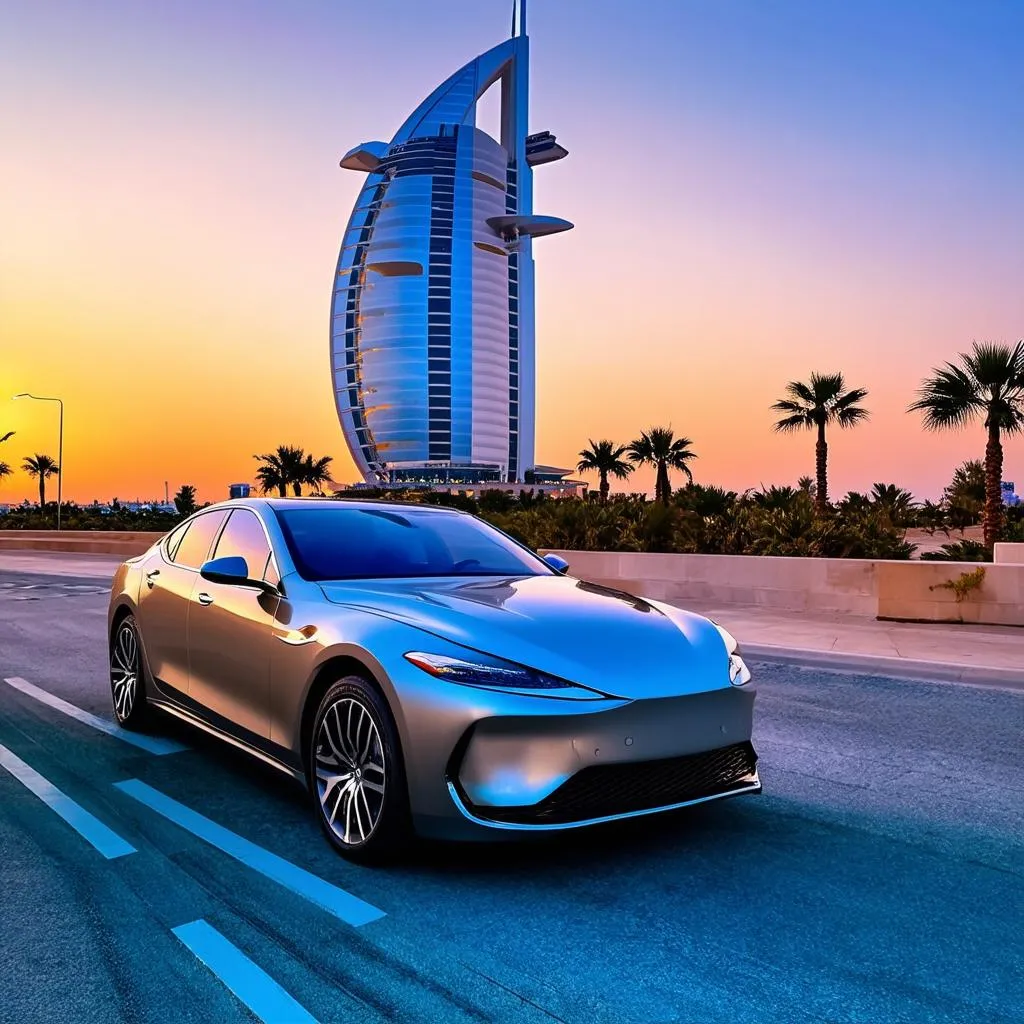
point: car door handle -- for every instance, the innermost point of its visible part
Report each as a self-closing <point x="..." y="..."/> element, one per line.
<point x="151" y="577"/>
<point x="298" y="637"/>
<point x="204" y="599"/>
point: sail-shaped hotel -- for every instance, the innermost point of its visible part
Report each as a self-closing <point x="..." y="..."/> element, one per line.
<point x="432" y="326"/>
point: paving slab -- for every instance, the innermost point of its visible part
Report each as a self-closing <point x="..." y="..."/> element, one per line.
<point x="941" y="651"/>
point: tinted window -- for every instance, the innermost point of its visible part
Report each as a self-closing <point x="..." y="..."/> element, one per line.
<point x="174" y="539"/>
<point x="358" y="543"/>
<point x="244" y="537"/>
<point x="272" y="576"/>
<point x="195" y="545"/>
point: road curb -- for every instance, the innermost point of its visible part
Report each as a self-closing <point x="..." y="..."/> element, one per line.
<point x="880" y="665"/>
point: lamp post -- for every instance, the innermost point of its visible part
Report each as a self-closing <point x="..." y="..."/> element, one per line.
<point x="60" y="445"/>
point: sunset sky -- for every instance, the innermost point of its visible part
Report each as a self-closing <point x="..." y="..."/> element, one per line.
<point x="759" y="190"/>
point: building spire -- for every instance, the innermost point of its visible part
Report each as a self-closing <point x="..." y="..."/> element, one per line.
<point x="518" y="18"/>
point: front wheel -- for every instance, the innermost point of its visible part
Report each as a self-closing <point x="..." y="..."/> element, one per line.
<point x="356" y="773"/>
<point x="127" y="681"/>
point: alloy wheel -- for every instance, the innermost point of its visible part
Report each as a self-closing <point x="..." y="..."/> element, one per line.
<point x="350" y="775"/>
<point x="124" y="670"/>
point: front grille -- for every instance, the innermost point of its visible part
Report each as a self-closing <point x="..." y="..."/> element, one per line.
<point x="609" y="789"/>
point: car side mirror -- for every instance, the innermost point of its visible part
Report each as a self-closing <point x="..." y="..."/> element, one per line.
<point x="230" y="569"/>
<point x="559" y="564"/>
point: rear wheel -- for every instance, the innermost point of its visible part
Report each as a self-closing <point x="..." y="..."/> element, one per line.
<point x="127" y="678"/>
<point x="356" y="773"/>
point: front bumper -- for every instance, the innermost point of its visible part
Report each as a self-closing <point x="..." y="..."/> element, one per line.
<point x="536" y="773"/>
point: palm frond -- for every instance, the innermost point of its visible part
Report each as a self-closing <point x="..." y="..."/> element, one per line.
<point x="949" y="398"/>
<point x="801" y="392"/>
<point x="826" y="387"/>
<point x="797" y="421"/>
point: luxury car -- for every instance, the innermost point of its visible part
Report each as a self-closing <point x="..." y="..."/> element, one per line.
<point x="421" y="671"/>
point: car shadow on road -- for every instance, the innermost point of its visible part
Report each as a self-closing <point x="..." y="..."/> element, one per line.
<point x="697" y="830"/>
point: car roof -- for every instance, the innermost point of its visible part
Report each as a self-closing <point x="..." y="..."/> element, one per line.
<point x="284" y="504"/>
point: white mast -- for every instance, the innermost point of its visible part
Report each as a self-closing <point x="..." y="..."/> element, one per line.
<point x="519" y="18"/>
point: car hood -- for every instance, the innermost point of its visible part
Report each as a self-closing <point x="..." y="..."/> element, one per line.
<point x="602" y="638"/>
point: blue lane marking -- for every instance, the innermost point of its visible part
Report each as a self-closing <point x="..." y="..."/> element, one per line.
<point x="341" y="904"/>
<point x="152" y="744"/>
<point x="90" y="828"/>
<point x="250" y="984"/>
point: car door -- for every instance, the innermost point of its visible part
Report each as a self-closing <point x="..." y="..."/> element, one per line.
<point x="230" y="633"/>
<point x="167" y="584"/>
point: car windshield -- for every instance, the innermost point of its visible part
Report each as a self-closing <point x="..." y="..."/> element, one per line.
<point x="374" y="543"/>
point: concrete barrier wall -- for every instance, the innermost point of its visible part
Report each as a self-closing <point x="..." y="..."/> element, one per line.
<point x="786" y="584"/>
<point x="921" y="591"/>
<point x="876" y="589"/>
<point x="1008" y="554"/>
<point x="847" y="586"/>
<point x="124" y="543"/>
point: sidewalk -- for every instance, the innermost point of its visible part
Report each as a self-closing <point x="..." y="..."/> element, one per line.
<point x="963" y="653"/>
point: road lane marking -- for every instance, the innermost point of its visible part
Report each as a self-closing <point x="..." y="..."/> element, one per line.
<point x="89" y="827"/>
<point x="151" y="744"/>
<point x="251" y="984"/>
<point x="334" y="900"/>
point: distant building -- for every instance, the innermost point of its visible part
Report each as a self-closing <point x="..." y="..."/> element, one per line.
<point x="547" y="480"/>
<point x="1010" y="497"/>
<point x="432" y="318"/>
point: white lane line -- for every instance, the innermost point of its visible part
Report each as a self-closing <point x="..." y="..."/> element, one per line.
<point x="251" y="984"/>
<point x="338" y="902"/>
<point x="151" y="744"/>
<point x="89" y="827"/>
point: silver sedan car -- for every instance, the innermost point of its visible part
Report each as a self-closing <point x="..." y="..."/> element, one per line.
<point x="420" y="671"/>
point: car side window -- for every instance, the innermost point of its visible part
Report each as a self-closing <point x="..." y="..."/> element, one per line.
<point x="272" y="576"/>
<point x="174" y="539"/>
<point x="245" y="537"/>
<point x="194" y="547"/>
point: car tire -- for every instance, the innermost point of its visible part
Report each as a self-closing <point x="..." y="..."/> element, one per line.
<point x="357" y="774"/>
<point x="128" y="677"/>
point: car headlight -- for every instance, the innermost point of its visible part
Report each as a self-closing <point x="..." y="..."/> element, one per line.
<point x="499" y="675"/>
<point x="739" y="674"/>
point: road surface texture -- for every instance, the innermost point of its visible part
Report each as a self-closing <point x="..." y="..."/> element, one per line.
<point x="879" y="879"/>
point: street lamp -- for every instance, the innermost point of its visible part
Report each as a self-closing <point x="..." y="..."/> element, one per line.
<point x="60" y="445"/>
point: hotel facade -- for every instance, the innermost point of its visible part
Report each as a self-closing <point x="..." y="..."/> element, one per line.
<point x="432" y="325"/>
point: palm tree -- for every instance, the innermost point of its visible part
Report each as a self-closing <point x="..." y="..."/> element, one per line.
<point x="988" y="381"/>
<point x="660" y="448"/>
<point x="967" y="485"/>
<point x="281" y="469"/>
<point x="964" y="495"/>
<point x="705" y="501"/>
<point x="604" y="457"/>
<point x="40" y="466"/>
<point x="775" y="497"/>
<point x="7" y="436"/>
<point x="813" y="406"/>
<point x="316" y="472"/>
<point x="895" y="502"/>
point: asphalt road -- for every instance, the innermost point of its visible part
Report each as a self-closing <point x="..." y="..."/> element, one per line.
<point x="880" y="878"/>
